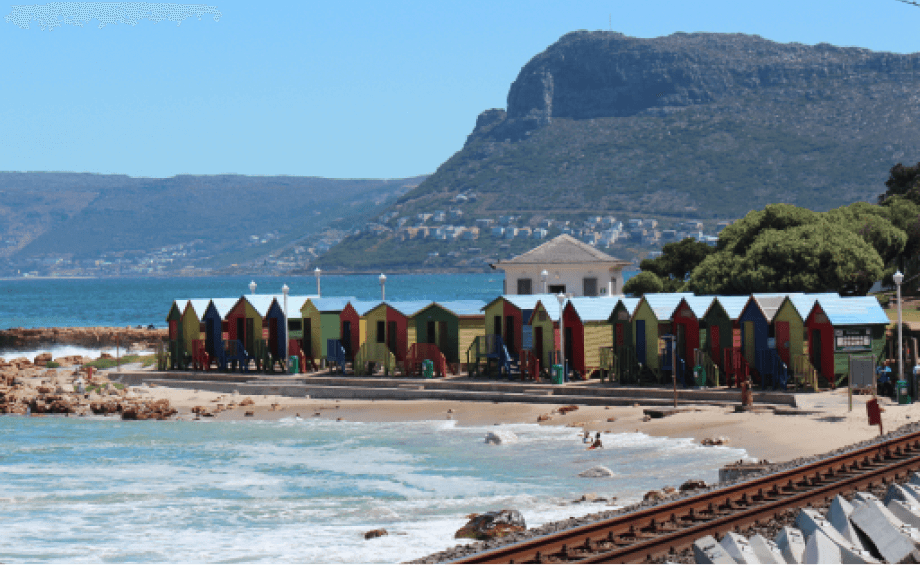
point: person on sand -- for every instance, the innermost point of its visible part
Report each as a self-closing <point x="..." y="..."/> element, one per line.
<point x="597" y="442"/>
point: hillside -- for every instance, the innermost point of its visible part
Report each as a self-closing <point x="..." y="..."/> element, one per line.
<point x="77" y="222"/>
<point x="700" y="127"/>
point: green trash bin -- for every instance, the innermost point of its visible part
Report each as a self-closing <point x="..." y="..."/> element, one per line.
<point x="293" y="364"/>
<point x="903" y="392"/>
<point x="558" y="377"/>
<point x="699" y="376"/>
<point x="428" y="368"/>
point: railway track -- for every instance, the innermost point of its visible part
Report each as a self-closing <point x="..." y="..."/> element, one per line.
<point x="665" y="529"/>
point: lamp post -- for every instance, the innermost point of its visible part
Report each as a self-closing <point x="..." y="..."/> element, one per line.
<point x="898" y="279"/>
<point x="543" y="276"/>
<point x="383" y="282"/>
<point x="317" y="271"/>
<point x="561" y="298"/>
<point x="284" y="291"/>
<point x="252" y="287"/>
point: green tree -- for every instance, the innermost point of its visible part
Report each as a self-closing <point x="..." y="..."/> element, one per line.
<point x="739" y="236"/>
<point x="676" y="262"/>
<point x="872" y="223"/>
<point x="643" y="283"/>
<point x="902" y="181"/>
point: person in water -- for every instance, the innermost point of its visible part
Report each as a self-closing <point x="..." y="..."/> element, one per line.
<point x="597" y="442"/>
<point x="587" y="437"/>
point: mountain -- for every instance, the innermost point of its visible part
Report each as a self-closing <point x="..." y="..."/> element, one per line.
<point x="701" y="127"/>
<point x="84" y="221"/>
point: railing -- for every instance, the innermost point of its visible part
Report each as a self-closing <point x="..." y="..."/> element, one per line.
<point x="335" y="353"/>
<point x="175" y="354"/>
<point x="162" y="353"/>
<point x="266" y="358"/>
<point x="703" y="360"/>
<point x="771" y="365"/>
<point x="419" y="352"/>
<point x="200" y="358"/>
<point x="377" y="353"/>
<point x="608" y="363"/>
<point x="235" y="352"/>
<point x="488" y="346"/>
<point x="804" y="373"/>
<point x="530" y="365"/>
<point x="735" y="366"/>
<point x="627" y="365"/>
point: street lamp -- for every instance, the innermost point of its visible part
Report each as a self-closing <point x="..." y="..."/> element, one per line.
<point x="383" y="282"/>
<point x="317" y="271"/>
<point x="252" y="287"/>
<point x="543" y="276"/>
<point x="898" y="279"/>
<point x="284" y="291"/>
<point x="561" y="298"/>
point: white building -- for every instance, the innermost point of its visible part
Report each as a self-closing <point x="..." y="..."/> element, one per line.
<point x="572" y="267"/>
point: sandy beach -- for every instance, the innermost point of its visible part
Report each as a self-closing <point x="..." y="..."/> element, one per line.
<point x="826" y="423"/>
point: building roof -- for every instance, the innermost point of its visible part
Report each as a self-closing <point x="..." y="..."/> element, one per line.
<point x="463" y="307"/>
<point x="768" y="303"/>
<point x="852" y="310"/>
<point x="629" y="304"/>
<point x="803" y="303"/>
<point x="732" y="305"/>
<point x="552" y="312"/>
<point x="262" y="302"/>
<point x="331" y="303"/>
<point x="594" y="308"/>
<point x="699" y="305"/>
<point x="664" y="303"/>
<point x="362" y="307"/>
<point x="408" y="308"/>
<point x="199" y="305"/>
<point x="527" y="301"/>
<point x="224" y="305"/>
<point x="563" y="249"/>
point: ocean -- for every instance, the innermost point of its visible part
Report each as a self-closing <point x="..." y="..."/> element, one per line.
<point x="104" y="490"/>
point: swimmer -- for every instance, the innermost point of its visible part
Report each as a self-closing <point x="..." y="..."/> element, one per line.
<point x="587" y="437"/>
<point x="597" y="442"/>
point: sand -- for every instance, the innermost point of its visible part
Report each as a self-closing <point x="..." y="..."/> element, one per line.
<point x="827" y="423"/>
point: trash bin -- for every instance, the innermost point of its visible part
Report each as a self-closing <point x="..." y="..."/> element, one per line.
<point x="558" y="376"/>
<point x="428" y="368"/>
<point x="699" y="376"/>
<point x="293" y="364"/>
<point x="903" y="392"/>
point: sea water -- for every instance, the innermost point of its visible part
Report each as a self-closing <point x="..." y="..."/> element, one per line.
<point x="290" y="490"/>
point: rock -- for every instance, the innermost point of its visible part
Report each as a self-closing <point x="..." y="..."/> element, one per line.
<point x="375" y="533"/>
<point x="669" y="490"/>
<point x="247" y="402"/>
<point x="105" y="355"/>
<point x="249" y="414"/>
<point x="500" y="437"/>
<point x="715" y="441"/>
<point x="596" y="472"/>
<point x="611" y="419"/>
<point x="491" y="525"/>
<point x="566" y="409"/>
<point x="544" y="417"/>
<point x="42" y="359"/>
<point x="692" y="485"/>
<point x="588" y="497"/>
<point x="654" y="495"/>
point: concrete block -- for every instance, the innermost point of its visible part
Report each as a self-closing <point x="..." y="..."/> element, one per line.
<point x="738" y="548"/>
<point x="907" y="513"/>
<point x="820" y="549"/>
<point x="810" y="521"/>
<point x="914" y="479"/>
<point x="791" y="544"/>
<point x="765" y="550"/>
<point x="839" y="517"/>
<point x="707" y="550"/>
<point x="875" y="521"/>
<point x="912" y="490"/>
<point x="897" y="492"/>
<point x="864" y="497"/>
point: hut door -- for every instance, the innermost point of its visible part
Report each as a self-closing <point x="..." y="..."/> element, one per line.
<point x="538" y="343"/>
<point x="509" y="334"/>
<point x="173" y="330"/>
<point x="240" y="329"/>
<point x="749" y="342"/>
<point x="618" y="328"/>
<point x="209" y="338"/>
<point x="568" y="345"/>
<point x="306" y="344"/>
<point x="681" y="343"/>
<point x="442" y="338"/>
<point x="391" y="336"/>
<point x="273" y="336"/>
<point x="640" y="341"/>
<point x="346" y="337"/>
<point x="714" y="338"/>
<point x="431" y="333"/>
<point x="250" y="330"/>
<point x="782" y="341"/>
<point x="816" y="349"/>
<point x="497" y="325"/>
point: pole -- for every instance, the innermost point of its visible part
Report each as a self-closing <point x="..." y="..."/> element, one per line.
<point x="850" y="387"/>
<point x="286" y="344"/>
<point x="900" y="344"/>
<point x="118" y="351"/>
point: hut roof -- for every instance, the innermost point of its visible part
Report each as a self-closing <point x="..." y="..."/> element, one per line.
<point x="552" y="312"/>
<point x="526" y="301"/>
<point x="262" y="302"/>
<point x="803" y="303"/>
<point x="362" y="307"/>
<point x="332" y="303"/>
<point x="295" y="304"/>
<point x="768" y="303"/>
<point x="199" y="305"/>
<point x="408" y="308"/>
<point x="664" y="303"/>
<point x="594" y="308"/>
<point x="463" y="307"/>
<point x="699" y="305"/>
<point x="224" y="305"/>
<point x="563" y="249"/>
<point x="853" y="310"/>
<point x="630" y="304"/>
<point x="732" y="305"/>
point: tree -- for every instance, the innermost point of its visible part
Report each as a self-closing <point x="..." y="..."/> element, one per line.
<point x="643" y="283"/>
<point x="902" y="181"/>
<point x="676" y="261"/>
<point x="739" y="236"/>
<point x="873" y="225"/>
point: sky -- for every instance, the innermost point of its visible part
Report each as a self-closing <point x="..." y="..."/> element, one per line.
<point x="344" y="89"/>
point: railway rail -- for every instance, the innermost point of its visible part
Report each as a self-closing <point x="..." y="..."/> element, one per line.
<point x="665" y="529"/>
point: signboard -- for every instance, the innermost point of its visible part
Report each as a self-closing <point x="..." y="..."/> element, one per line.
<point x="771" y="342"/>
<point x="527" y="337"/>
<point x="225" y="336"/>
<point x="853" y="339"/>
<point x="264" y="333"/>
<point x="622" y="315"/>
<point x="862" y="372"/>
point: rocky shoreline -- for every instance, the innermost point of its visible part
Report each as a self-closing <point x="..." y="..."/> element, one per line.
<point x="34" y="338"/>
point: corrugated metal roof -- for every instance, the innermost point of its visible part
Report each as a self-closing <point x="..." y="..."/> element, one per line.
<point x="769" y="303"/>
<point x="463" y="307"/>
<point x="332" y="303"/>
<point x="699" y="305"/>
<point x="664" y="303"/>
<point x="199" y="305"/>
<point x="732" y="305"/>
<point x="594" y="308"/>
<point x="224" y="305"/>
<point x="362" y="307"/>
<point x="262" y="302"/>
<point x="409" y="307"/>
<point x="552" y="309"/>
<point x="853" y="310"/>
<point x="295" y="303"/>
<point x="630" y="304"/>
<point x="803" y="303"/>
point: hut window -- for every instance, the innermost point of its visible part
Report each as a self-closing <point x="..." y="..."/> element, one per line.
<point x="524" y="286"/>
<point x="381" y="332"/>
<point x="294" y="325"/>
<point x="590" y="286"/>
<point x="557" y="289"/>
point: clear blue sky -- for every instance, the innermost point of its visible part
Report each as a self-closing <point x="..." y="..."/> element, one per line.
<point x="342" y="89"/>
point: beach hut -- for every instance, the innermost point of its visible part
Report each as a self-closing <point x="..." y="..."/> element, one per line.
<point x="544" y="323"/>
<point x="388" y="323"/>
<point x="450" y="325"/>
<point x="321" y="320"/>
<point x="174" y="334"/>
<point x="839" y="327"/>
<point x="651" y="321"/>
<point x="724" y="334"/>
<point x="622" y="360"/>
<point x="758" y="340"/>
<point x="789" y="325"/>
<point x="267" y="344"/>
<point x="689" y="328"/>
<point x="295" y="323"/>
<point x="353" y="330"/>
<point x="244" y="325"/>
<point x="586" y="323"/>
<point x="508" y="315"/>
<point x="216" y="327"/>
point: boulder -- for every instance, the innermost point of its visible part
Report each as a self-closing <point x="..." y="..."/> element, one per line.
<point x="598" y="471"/>
<point x="654" y="496"/>
<point x="692" y="485"/>
<point x="500" y="437"/>
<point x="491" y="525"/>
<point x="42" y="359"/>
<point x="247" y="402"/>
<point x="715" y="441"/>
<point x="375" y="533"/>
